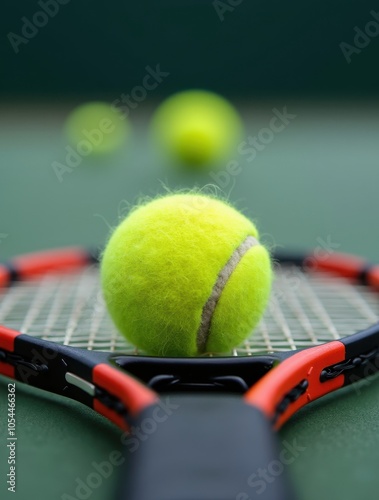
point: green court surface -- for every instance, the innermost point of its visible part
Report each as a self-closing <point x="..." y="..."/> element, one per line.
<point x="314" y="184"/>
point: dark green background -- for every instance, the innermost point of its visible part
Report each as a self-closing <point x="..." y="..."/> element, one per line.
<point x="317" y="181"/>
<point x="262" y="47"/>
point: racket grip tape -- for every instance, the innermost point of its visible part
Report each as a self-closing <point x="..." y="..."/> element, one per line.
<point x="204" y="448"/>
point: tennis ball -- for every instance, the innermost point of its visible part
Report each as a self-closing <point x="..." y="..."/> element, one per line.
<point x="97" y="128"/>
<point x="197" y="128"/>
<point x="185" y="275"/>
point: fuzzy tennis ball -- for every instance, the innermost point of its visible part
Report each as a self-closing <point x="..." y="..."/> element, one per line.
<point x="97" y="128"/>
<point x="184" y="275"/>
<point x="197" y="128"/>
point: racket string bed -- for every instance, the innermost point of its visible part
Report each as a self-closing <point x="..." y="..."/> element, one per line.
<point x="303" y="311"/>
<point x="311" y="310"/>
<point x="67" y="309"/>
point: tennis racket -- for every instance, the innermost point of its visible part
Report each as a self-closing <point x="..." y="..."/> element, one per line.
<point x="220" y="431"/>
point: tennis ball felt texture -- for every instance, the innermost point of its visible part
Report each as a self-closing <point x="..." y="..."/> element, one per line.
<point x="197" y="128"/>
<point x="97" y="128"/>
<point x="185" y="275"/>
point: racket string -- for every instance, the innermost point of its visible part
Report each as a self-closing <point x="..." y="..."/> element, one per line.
<point x="303" y="311"/>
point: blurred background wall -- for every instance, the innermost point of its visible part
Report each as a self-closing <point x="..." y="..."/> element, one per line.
<point x="237" y="47"/>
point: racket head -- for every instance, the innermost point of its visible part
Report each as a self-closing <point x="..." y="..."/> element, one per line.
<point x="55" y="296"/>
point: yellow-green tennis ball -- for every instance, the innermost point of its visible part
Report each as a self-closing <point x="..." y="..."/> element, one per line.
<point x="197" y="128"/>
<point x="185" y="275"/>
<point x="97" y="128"/>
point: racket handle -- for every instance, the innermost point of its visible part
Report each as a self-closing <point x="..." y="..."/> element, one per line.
<point x="204" y="448"/>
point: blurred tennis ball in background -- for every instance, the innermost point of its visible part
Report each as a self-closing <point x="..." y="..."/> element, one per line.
<point x="97" y="128"/>
<point x="184" y="275"/>
<point x="197" y="128"/>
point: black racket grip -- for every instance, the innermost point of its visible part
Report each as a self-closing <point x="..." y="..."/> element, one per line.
<point x="205" y="448"/>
